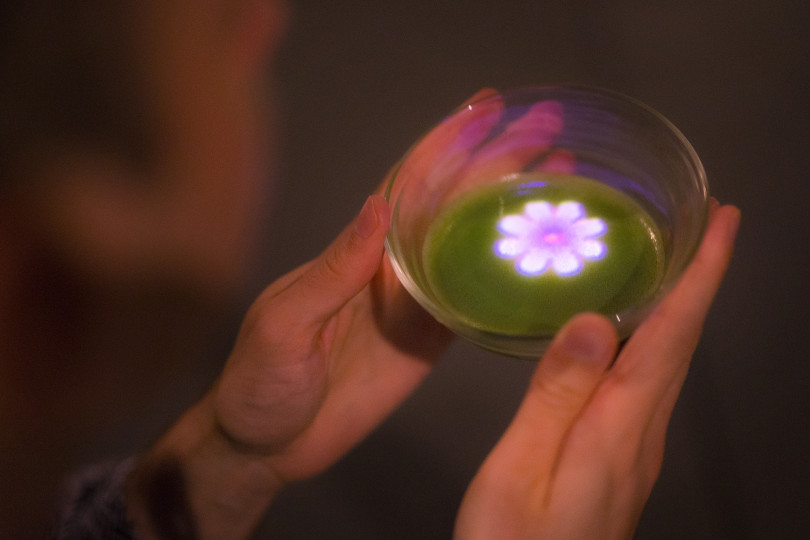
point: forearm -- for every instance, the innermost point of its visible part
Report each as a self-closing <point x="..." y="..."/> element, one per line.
<point x="195" y="484"/>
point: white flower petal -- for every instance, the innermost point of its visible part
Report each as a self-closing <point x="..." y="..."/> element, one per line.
<point x="510" y="247"/>
<point x="515" y="225"/>
<point x="566" y="263"/>
<point x="539" y="211"/>
<point x="534" y="262"/>
<point x="591" y="249"/>
<point x="589" y="227"/>
<point x="570" y="211"/>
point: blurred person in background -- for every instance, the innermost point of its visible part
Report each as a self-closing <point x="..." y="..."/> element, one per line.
<point x="136" y="166"/>
<point x="137" y="150"/>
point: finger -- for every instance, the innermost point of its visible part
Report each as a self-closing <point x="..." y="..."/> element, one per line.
<point x="641" y="389"/>
<point x="440" y="154"/>
<point x="630" y="411"/>
<point x="468" y="127"/>
<point x="559" y="161"/>
<point x="671" y="332"/>
<point x="560" y="388"/>
<point x="344" y="268"/>
<point x="399" y="318"/>
<point x="522" y="141"/>
<point x="722" y="249"/>
<point x="459" y="130"/>
<point x="479" y="95"/>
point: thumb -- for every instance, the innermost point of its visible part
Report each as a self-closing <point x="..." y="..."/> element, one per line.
<point x="347" y="265"/>
<point x="559" y="390"/>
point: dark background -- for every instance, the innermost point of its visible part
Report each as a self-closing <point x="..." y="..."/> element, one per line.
<point x="361" y="79"/>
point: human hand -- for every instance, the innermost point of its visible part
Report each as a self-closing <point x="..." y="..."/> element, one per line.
<point x="329" y="350"/>
<point x="323" y="355"/>
<point x="581" y="456"/>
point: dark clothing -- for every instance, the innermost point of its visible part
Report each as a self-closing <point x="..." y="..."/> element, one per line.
<point x="93" y="504"/>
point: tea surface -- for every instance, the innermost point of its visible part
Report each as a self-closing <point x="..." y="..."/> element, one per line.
<point x="522" y="256"/>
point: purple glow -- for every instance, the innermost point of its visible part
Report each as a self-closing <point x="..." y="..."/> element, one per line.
<point x="547" y="237"/>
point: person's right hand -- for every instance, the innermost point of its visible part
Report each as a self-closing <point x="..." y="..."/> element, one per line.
<point x="585" y="448"/>
<point x="323" y="356"/>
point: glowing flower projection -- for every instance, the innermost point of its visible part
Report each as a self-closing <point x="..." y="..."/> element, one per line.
<point x="547" y="237"/>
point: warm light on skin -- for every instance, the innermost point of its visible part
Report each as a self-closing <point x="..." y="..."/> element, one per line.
<point x="551" y="238"/>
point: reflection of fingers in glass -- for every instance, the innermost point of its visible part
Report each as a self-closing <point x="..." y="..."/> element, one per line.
<point x="557" y="161"/>
<point x="520" y="143"/>
<point x="457" y="154"/>
<point x="463" y="130"/>
<point x="440" y="158"/>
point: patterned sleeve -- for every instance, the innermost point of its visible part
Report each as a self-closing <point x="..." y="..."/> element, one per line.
<point x="93" y="504"/>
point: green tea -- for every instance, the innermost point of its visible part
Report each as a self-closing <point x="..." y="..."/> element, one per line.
<point x="522" y="256"/>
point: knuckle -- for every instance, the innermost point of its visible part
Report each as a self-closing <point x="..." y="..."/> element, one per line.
<point x="558" y="393"/>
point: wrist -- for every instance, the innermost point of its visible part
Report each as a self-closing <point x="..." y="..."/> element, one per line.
<point x="195" y="483"/>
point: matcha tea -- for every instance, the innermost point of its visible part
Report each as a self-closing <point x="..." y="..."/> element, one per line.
<point x="522" y="256"/>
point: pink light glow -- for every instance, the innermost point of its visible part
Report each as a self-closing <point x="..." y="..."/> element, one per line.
<point x="551" y="238"/>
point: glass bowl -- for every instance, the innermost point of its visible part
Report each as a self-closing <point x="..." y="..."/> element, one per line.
<point x="523" y="208"/>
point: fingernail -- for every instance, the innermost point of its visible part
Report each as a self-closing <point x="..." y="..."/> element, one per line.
<point x="714" y="204"/>
<point x="367" y="221"/>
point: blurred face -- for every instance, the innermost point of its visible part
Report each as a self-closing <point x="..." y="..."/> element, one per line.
<point x="194" y="220"/>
